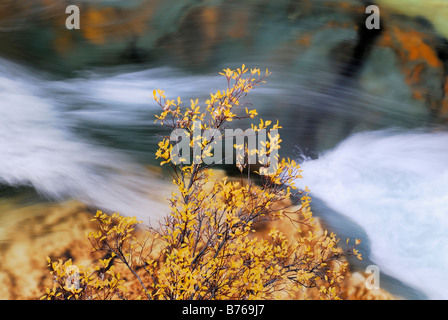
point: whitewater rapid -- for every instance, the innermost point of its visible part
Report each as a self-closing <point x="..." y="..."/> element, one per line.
<point x="39" y="149"/>
<point x="47" y="125"/>
<point x="394" y="185"/>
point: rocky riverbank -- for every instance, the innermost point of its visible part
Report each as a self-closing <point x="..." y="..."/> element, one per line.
<point x="30" y="233"/>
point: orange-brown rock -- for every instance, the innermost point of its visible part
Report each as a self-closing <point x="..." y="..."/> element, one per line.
<point x="30" y="233"/>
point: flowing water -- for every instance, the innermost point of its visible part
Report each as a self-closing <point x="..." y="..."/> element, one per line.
<point x="374" y="157"/>
<point x="394" y="185"/>
<point x="39" y="150"/>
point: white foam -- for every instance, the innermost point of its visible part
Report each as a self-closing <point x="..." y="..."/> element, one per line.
<point x="38" y="118"/>
<point x="395" y="186"/>
<point x="37" y="150"/>
<point x="122" y="97"/>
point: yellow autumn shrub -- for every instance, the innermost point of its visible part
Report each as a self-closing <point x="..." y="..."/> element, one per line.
<point x="207" y="247"/>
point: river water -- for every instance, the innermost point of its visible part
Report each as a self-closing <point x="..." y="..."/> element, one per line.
<point x="373" y="155"/>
